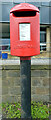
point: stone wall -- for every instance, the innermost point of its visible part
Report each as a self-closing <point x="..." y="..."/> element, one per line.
<point x="11" y="90"/>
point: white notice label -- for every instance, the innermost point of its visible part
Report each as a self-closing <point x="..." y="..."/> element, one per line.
<point x="24" y="29"/>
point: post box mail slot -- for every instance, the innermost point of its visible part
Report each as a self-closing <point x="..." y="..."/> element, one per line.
<point x="24" y="30"/>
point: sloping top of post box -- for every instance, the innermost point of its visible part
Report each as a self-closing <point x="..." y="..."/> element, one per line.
<point x="24" y="7"/>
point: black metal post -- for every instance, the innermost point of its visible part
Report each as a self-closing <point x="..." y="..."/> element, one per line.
<point x="25" y="74"/>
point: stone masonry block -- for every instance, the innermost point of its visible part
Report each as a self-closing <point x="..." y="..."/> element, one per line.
<point x="13" y="81"/>
<point x="36" y="81"/>
<point x="10" y="81"/>
<point x="44" y="73"/>
<point x="0" y="90"/>
<point x="0" y="99"/>
<point x="33" y="90"/>
<point x="13" y="73"/>
<point x="0" y="73"/>
<point x="49" y="73"/>
<point x="49" y="86"/>
<point x="15" y="90"/>
<point x="45" y="82"/>
<point x="40" y="90"/>
<point x="50" y="97"/>
<point x="19" y="98"/>
<point x="35" y="73"/>
<point x="47" y="91"/>
<point x="4" y="73"/>
<point x="17" y="81"/>
<point x="40" y="73"/>
<point x="43" y="98"/>
<point x="4" y="82"/>
<point x="8" y="98"/>
<point x="13" y="98"/>
<point x="0" y="67"/>
<point x="0" y="81"/>
<point x="4" y="90"/>
<point x="4" y="98"/>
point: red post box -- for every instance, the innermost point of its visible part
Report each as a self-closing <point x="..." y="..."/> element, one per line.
<point x="24" y="30"/>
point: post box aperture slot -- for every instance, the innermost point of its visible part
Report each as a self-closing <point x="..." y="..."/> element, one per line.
<point x="24" y="13"/>
<point x="24" y="31"/>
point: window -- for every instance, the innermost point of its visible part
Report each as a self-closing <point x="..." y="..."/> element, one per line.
<point x="5" y="44"/>
<point x="42" y="39"/>
<point x="5" y="40"/>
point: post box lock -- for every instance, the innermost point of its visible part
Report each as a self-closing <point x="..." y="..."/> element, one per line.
<point x="24" y="30"/>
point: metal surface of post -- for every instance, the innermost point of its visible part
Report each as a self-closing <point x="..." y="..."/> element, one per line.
<point x="25" y="74"/>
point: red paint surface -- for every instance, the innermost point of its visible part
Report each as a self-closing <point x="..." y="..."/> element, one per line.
<point x="25" y="48"/>
<point x="25" y="58"/>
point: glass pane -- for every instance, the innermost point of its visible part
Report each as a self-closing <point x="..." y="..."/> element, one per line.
<point x="43" y="48"/>
<point x="4" y="44"/>
<point x="5" y="41"/>
<point x="43" y="39"/>
<point x="5" y="47"/>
